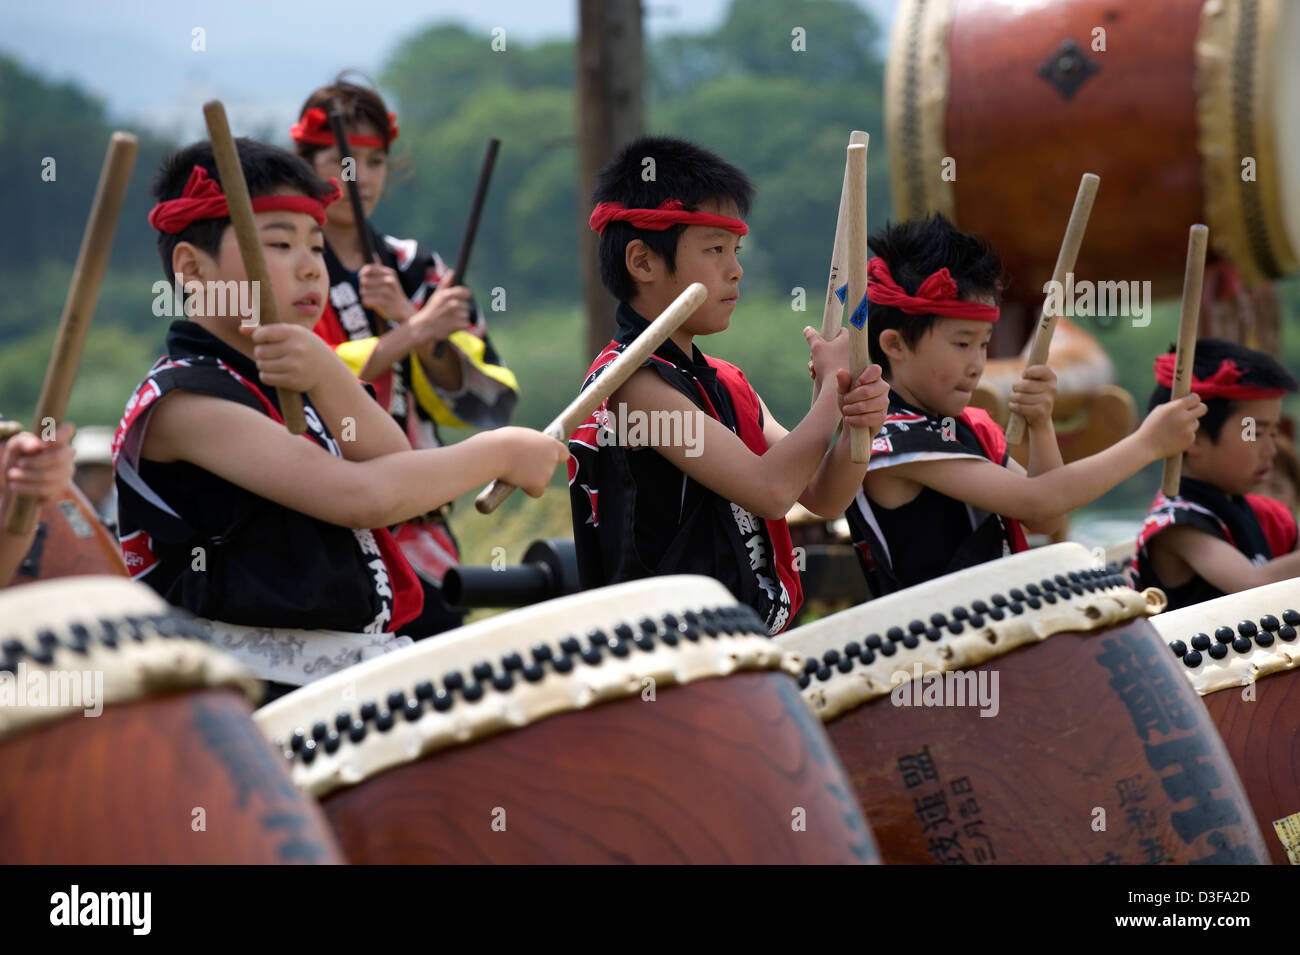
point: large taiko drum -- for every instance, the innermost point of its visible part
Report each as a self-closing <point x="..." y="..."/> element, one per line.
<point x="1024" y="711"/>
<point x="125" y="740"/>
<point x="1189" y="110"/>
<point x="70" y="541"/>
<point x="1227" y="647"/>
<point x="650" y="721"/>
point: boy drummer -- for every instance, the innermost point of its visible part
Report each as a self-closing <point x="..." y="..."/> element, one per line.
<point x="1213" y="537"/>
<point x="715" y="503"/>
<point x="941" y="492"/>
<point x="222" y="510"/>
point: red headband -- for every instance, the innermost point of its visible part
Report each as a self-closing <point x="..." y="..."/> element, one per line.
<point x="203" y="199"/>
<point x="937" y="295"/>
<point x="1222" y="384"/>
<point x="669" y="213"/>
<point x="314" y="128"/>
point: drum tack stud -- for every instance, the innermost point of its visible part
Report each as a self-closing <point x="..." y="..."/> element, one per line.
<point x="1291" y="617"/>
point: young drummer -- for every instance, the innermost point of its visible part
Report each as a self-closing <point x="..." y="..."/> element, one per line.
<point x="223" y="511"/>
<point x="941" y="492"/>
<point x="1213" y="537"/>
<point x="29" y="467"/>
<point x="710" y="497"/>
<point x="461" y="384"/>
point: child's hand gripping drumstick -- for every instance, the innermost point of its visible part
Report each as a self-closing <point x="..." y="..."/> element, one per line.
<point x="250" y="245"/>
<point x="608" y="382"/>
<point x="96" y="243"/>
<point x="1065" y="260"/>
<point x="833" y="311"/>
<point x="856" y="210"/>
<point x="1198" y="241"/>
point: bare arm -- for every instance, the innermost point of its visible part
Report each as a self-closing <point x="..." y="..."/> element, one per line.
<point x="1179" y="552"/>
<point x="217" y="435"/>
<point x="767" y="484"/>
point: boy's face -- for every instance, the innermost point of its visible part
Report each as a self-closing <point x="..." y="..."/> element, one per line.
<point x="941" y="373"/>
<point x="707" y="255"/>
<point x="294" y="248"/>
<point x="371" y="173"/>
<point x="1243" y="455"/>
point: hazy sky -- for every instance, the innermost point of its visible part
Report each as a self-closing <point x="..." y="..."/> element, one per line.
<point x="264" y="56"/>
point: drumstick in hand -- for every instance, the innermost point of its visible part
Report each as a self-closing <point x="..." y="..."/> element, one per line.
<point x="1198" y="241"/>
<point x="833" y="311"/>
<point x="607" y="382"/>
<point x="471" y="226"/>
<point x="856" y="208"/>
<point x="1065" y="260"/>
<point x="340" y="130"/>
<point x="250" y="245"/>
<point x="92" y="259"/>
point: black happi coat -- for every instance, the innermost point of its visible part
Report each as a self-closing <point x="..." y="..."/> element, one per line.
<point x="260" y="563"/>
<point x="1259" y="527"/>
<point x="636" y="515"/>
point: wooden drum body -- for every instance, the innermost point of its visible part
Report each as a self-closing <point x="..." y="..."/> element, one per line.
<point x="646" y="722"/>
<point x="124" y="740"/>
<point x="995" y="109"/>
<point x="70" y="541"/>
<point x="1227" y="647"/>
<point x="1024" y="711"/>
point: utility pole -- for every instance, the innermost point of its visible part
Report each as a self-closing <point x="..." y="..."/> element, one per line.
<point x="611" y="113"/>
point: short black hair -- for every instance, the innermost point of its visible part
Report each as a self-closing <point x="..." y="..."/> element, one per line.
<point x="266" y="169"/>
<point x="916" y="249"/>
<point x="1260" y="369"/>
<point x="681" y="170"/>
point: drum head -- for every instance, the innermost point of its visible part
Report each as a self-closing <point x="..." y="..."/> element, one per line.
<point x="114" y="631"/>
<point x="512" y="670"/>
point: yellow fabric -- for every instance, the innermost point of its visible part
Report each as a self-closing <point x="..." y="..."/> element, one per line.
<point x="472" y="347"/>
<point x="355" y="354"/>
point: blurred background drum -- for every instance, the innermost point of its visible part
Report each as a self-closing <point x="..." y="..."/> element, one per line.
<point x="1227" y="647"/>
<point x="1024" y="711"/>
<point x="1188" y="110"/>
<point x="70" y="542"/>
<point x="646" y="722"/>
<point x="126" y="741"/>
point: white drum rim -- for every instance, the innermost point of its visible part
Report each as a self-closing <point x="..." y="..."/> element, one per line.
<point x="835" y="677"/>
<point x="1263" y="649"/>
<point x="727" y="637"/>
<point x="54" y="630"/>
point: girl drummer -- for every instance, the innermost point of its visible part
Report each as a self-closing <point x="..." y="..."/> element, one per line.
<point x="399" y="324"/>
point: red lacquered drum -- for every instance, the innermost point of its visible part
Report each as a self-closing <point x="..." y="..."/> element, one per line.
<point x="646" y="722"/>
<point x="1164" y="99"/>
<point x="1024" y="711"/>
<point x="125" y="740"/>
<point x="1226" y="647"/>
<point x="70" y="541"/>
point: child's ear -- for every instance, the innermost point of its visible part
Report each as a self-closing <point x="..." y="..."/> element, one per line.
<point x="191" y="262"/>
<point x="641" y="261"/>
<point x="891" y="343"/>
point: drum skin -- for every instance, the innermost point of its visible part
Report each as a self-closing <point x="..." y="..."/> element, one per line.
<point x="127" y="787"/>
<point x="70" y="542"/>
<point x="725" y="770"/>
<point x="1099" y="753"/>
<point x="1263" y="738"/>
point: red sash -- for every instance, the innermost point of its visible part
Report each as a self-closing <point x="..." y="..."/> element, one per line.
<point x="994" y="443"/>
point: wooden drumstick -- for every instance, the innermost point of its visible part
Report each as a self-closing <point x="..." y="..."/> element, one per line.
<point x="1198" y="241"/>
<point x="856" y="210"/>
<point x="340" y="130"/>
<point x="833" y="311"/>
<point x="471" y="225"/>
<point x="250" y="245"/>
<point x="87" y="275"/>
<point x="607" y="382"/>
<point x="1065" y="260"/>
